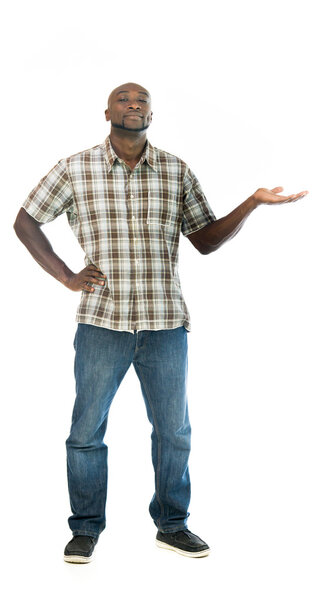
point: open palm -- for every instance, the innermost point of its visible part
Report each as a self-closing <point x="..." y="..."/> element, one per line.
<point x="265" y="196"/>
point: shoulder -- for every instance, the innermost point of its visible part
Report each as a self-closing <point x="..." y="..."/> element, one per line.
<point x="164" y="155"/>
<point x="171" y="161"/>
<point x="90" y="153"/>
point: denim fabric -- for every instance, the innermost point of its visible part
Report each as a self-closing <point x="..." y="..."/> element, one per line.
<point x="102" y="358"/>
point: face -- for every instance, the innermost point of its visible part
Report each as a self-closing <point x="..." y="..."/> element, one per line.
<point x="129" y="108"/>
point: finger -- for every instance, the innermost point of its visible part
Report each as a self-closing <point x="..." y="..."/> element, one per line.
<point x="96" y="271"/>
<point x="88" y="288"/>
<point x="299" y="195"/>
<point x="95" y="280"/>
<point x="298" y="198"/>
<point x="292" y="197"/>
<point x="93" y="268"/>
<point x="277" y="189"/>
<point x="277" y="198"/>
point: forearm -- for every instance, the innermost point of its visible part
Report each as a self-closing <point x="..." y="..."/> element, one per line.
<point x="39" y="246"/>
<point x="222" y="230"/>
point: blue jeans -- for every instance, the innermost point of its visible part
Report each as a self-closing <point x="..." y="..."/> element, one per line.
<point x="102" y="358"/>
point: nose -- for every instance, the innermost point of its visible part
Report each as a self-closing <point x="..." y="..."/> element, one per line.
<point x="134" y="105"/>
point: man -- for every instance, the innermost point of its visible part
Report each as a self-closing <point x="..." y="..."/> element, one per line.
<point x="127" y="202"/>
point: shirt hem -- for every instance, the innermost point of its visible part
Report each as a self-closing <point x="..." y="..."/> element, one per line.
<point x="139" y="327"/>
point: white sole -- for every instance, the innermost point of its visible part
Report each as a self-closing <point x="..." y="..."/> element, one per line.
<point x="183" y="552"/>
<point x="75" y="558"/>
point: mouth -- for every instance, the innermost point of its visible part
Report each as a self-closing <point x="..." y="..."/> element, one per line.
<point x="134" y="115"/>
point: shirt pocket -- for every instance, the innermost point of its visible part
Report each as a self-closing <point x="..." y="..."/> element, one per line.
<point x="163" y="210"/>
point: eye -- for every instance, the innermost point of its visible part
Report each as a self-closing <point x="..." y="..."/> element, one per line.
<point x="126" y="99"/>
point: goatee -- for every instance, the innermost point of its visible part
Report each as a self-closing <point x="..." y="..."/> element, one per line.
<point x="122" y="126"/>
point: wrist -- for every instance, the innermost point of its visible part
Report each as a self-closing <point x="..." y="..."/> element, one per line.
<point x="65" y="274"/>
<point x="253" y="202"/>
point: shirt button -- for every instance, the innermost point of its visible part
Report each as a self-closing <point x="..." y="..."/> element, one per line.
<point x="133" y="217"/>
<point x="131" y="196"/>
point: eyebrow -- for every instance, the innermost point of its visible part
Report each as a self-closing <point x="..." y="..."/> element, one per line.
<point x="127" y="91"/>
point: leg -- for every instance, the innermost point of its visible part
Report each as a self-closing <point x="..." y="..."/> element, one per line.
<point x="102" y="358"/>
<point x="161" y="363"/>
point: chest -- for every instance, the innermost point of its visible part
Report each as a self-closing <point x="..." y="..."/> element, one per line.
<point x="116" y="196"/>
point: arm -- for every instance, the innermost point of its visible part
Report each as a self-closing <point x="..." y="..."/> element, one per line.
<point x="28" y="230"/>
<point x="212" y="236"/>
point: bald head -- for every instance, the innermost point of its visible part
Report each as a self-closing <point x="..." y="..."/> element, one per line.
<point x="127" y="87"/>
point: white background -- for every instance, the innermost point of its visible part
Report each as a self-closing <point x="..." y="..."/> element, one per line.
<point x="239" y="91"/>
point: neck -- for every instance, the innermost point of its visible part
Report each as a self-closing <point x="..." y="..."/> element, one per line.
<point x="128" y="145"/>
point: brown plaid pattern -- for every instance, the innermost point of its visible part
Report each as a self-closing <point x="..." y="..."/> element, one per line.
<point x="128" y="223"/>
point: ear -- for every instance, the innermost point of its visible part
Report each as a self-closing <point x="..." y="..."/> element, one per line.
<point x="107" y="114"/>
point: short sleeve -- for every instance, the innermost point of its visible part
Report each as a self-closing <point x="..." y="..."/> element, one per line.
<point x="52" y="196"/>
<point x="196" y="210"/>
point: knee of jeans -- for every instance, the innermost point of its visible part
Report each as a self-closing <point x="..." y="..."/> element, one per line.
<point x="178" y="436"/>
<point x="86" y="439"/>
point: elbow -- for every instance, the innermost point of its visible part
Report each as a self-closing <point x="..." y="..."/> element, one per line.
<point x="18" y="226"/>
<point x="15" y="227"/>
<point x="18" y="222"/>
<point x="25" y="223"/>
<point x="210" y="249"/>
<point x="205" y="250"/>
<point x="15" y="224"/>
<point x="203" y="247"/>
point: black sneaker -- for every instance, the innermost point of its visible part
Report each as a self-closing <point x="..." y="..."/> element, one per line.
<point x="184" y="542"/>
<point x="80" y="549"/>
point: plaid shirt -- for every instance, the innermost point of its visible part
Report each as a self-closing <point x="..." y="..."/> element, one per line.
<point x="128" y="223"/>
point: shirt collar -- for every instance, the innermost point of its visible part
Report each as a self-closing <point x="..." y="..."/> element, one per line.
<point x="149" y="154"/>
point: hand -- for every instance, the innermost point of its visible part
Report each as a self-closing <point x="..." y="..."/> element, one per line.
<point x="80" y="281"/>
<point x="265" y="196"/>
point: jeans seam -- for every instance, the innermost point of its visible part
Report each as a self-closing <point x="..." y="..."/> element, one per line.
<point x="159" y="448"/>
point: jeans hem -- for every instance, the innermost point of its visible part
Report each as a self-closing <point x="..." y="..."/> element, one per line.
<point x="172" y="530"/>
<point x="82" y="532"/>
